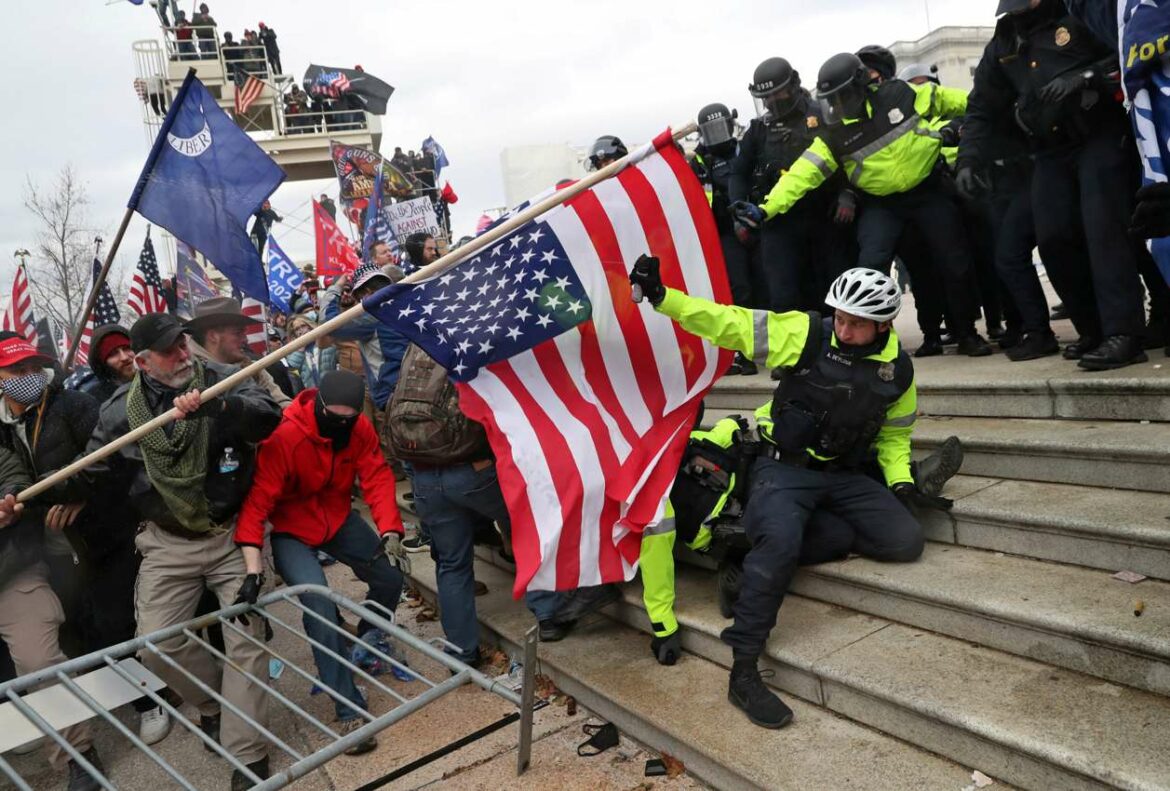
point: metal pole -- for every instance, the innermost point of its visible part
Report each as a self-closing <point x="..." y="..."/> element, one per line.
<point x="928" y="27"/>
<point x="431" y="270"/>
<point x="97" y="285"/>
<point x="527" y="693"/>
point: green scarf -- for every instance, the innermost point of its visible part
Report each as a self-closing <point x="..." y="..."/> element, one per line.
<point x="176" y="465"/>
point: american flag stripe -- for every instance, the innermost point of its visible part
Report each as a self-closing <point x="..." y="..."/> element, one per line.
<point x="146" y="288"/>
<point x="19" y="316"/>
<point x="105" y="311"/>
<point x="588" y="428"/>
<point x="248" y="93"/>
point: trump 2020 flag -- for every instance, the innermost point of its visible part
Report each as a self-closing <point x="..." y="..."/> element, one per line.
<point x="283" y="278"/>
<point x="202" y="181"/>
<point x="588" y="399"/>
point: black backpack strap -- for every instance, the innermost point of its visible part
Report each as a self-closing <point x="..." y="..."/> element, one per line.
<point x="812" y="344"/>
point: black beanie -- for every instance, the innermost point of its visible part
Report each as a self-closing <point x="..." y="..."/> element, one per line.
<point x="343" y="388"/>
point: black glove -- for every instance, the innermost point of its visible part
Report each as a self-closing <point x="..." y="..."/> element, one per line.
<point x="909" y="495"/>
<point x="1063" y="87"/>
<point x="667" y="650"/>
<point x="748" y="214"/>
<point x="1151" y="217"/>
<point x="950" y="135"/>
<point x="249" y="592"/>
<point x="970" y="183"/>
<point x="647" y="280"/>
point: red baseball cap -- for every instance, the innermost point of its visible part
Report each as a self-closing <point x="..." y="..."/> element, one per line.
<point x="17" y="350"/>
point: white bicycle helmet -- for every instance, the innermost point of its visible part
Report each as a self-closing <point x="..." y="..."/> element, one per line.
<point x="866" y="293"/>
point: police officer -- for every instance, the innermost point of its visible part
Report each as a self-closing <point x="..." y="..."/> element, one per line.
<point x="880" y="136"/>
<point x="712" y="163"/>
<point x="847" y="391"/>
<point x="605" y="149"/>
<point x="880" y="61"/>
<point x="1045" y="69"/>
<point x="800" y="251"/>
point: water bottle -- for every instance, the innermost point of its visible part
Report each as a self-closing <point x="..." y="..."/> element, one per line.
<point x="228" y="463"/>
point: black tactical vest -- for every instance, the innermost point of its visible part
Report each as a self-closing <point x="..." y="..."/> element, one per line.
<point x="781" y="142"/>
<point x="893" y="114"/>
<point x="834" y="403"/>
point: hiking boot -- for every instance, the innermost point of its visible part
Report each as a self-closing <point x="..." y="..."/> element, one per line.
<point x="973" y="345"/>
<point x="553" y="632"/>
<point x="154" y="725"/>
<point x="730" y="572"/>
<point x="1116" y="351"/>
<point x="1033" y="346"/>
<point x="417" y="543"/>
<point x="346" y="727"/>
<point x="79" y="778"/>
<point x="1077" y="350"/>
<point x="932" y="473"/>
<point x="209" y="724"/>
<point x="240" y="781"/>
<point x="932" y="346"/>
<point x="584" y="601"/>
<point x="746" y="691"/>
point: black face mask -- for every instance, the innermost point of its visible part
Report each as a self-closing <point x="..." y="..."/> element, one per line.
<point x="335" y="428"/>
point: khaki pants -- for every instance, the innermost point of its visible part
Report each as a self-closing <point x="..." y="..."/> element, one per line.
<point x="171" y="579"/>
<point x="30" y="616"/>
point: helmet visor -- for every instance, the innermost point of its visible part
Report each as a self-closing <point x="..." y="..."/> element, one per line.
<point x="716" y="131"/>
<point x="843" y="104"/>
<point x="777" y="104"/>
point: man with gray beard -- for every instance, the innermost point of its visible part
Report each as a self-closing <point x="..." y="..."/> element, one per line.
<point x="187" y="482"/>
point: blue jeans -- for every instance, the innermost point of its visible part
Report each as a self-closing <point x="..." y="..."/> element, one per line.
<point x="354" y="545"/>
<point x="454" y="502"/>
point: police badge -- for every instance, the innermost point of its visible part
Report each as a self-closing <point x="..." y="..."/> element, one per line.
<point x="897" y="116"/>
<point x="886" y="372"/>
<point x="1063" y="37"/>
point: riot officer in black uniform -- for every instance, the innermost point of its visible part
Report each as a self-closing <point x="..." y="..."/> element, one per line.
<point x="712" y="164"/>
<point x="605" y="149"/>
<point x="802" y="251"/>
<point x="1045" y="69"/>
<point x="880" y="61"/>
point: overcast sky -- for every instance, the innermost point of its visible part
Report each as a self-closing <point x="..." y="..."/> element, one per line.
<point x="478" y="76"/>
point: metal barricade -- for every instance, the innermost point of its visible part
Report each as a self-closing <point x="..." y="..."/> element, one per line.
<point x="139" y="682"/>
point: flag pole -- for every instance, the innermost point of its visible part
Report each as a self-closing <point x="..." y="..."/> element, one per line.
<point x="337" y="322"/>
<point x="97" y="286"/>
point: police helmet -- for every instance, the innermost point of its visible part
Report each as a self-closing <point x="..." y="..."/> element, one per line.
<point x="919" y="72"/>
<point x="841" y="87"/>
<point x="867" y="294"/>
<point x="716" y="125"/>
<point x="1013" y="7"/>
<point x="879" y="59"/>
<point x="775" y="87"/>
<point x="604" y="150"/>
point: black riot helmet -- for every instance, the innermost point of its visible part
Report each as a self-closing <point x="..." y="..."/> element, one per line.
<point x="841" y="87"/>
<point x="879" y="59"/>
<point x="716" y="126"/>
<point x="604" y="150"/>
<point x="775" y="87"/>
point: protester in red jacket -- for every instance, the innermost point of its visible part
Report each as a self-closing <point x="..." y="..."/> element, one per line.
<point x="305" y="472"/>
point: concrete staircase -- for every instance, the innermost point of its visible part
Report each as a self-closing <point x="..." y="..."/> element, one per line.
<point x="1008" y="648"/>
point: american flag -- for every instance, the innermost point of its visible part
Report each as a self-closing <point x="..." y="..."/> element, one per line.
<point x="19" y="315"/>
<point x="105" y="311"/>
<point x="257" y="337"/>
<point x="588" y="398"/>
<point x="146" y="289"/>
<point x="248" y="90"/>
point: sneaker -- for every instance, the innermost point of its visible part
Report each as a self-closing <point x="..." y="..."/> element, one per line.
<point x="417" y="543"/>
<point x="746" y="691"/>
<point x="79" y="778"/>
<point x="154" y="725"/>
<point x="1085" y="343"/>
<point x="240" y="781"/>
<point x="932" y="346"/>
<point x="935" y="470"/>
<point x="210" y="726"/>
<point x="346" y="727"/>
<point x="585" y="601"/>
<point x="553" y="632"/>
<point x="1116" y="351"/>
<point x="973" y="345"/>
<point x="1033" y="346"/>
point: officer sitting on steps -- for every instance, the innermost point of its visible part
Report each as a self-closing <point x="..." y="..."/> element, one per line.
<point x="848" y="387"/>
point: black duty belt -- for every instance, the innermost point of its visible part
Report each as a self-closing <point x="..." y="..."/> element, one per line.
<point x="798" y="458"/>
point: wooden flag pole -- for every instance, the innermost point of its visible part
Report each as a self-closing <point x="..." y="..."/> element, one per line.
<point x="97" y="287"/>
<point x="431" y="270"/>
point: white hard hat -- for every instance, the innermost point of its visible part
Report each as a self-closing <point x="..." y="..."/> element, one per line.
<point x="867" y="294"/>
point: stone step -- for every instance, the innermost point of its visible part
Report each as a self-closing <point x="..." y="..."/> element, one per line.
<point x="994" y="387"/>
<point x="683" y="710"/>
<point x="1108" y="529"/>
<point x="1018" y="720"/>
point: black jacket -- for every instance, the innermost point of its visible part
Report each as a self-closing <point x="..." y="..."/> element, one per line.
<point x="714" y="171"/>
<point x="249" y="416"/>
<point x="1028" y="52"/>
<point x="770" y="146"/>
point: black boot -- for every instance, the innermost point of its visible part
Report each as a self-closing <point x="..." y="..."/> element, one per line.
<point x="932" y="473"/>
<point x="932" y="346"/>
<point x="973" y="345"/>
<point x="586" y="601"/>
<point x="1083" y="344"/>
<point x="1116" y="351"/>
<point x="552" y="632"/>
<point x="240" y="781"/>
<point x="1033" y="346"/>
<point x="81" y="780"/>
<point x="1009" y="340"/>
<point x="995" y="330"/>
<point x="729" y="575"/>
<point x="747" y="691"/>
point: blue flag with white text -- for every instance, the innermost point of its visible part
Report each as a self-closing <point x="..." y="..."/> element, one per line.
<point x="202" y="182"/>
<point x="432" y="147"/>
<point x="283" y="278"/>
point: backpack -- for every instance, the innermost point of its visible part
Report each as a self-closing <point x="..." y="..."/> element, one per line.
<point x="424" y="424"/>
